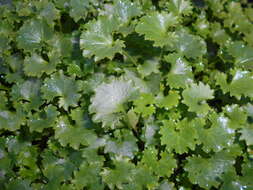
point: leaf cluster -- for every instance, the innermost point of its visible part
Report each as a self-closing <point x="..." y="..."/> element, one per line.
<point x="126" y="95"/>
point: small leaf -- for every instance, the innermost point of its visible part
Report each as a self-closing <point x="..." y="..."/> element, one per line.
<point x="32" y="34"/>
<point x="35" y="66"/>
<point x="162" y="167"/>
<point x="169" y="101"/>
<point x="44" y="119"/>
<point x="11" y="121"/>
<point x="149" y="66"/>
<point x="98" y="39"/>
<point x="208" y="172"/>
<point x="242" y="53"/>
<point x="195" y="97"/>
<point x="218" y="136"/>
<point x="247" y="135"/>
<point x="125" y="10"/>
<point x="109" y="99"/>
<point x="73" y="135"/>
<point x="125" y="146"/>
<point x="178" y="136"/>
<point x="180" y="7"/>
<point x="180" y="73"/>
<point x="241" y="84"/>
<point x="88" y="176"/>
<point x="78" y="9"/>
<point x="144" y="104"/>
<point x="28" y="90"/>
<point x="155" y="27"/>
<point x="132" y="119"/>
<point x="59" y="85"/>
<point x="189" y="45"/>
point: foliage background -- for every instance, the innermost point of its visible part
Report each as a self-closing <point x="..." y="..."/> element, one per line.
<point x="101" y="94"/>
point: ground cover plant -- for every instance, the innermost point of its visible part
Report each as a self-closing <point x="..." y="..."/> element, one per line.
<point x="128" y="95"/>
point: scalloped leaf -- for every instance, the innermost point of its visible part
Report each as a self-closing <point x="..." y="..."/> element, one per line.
<point x="195" y="97"/>
<point x="155" y="27"/>
<point x="109" y="99"/>
<point x="33" y="33"/>
<point x="59" y="85"/>
<point x="98" y="39"/>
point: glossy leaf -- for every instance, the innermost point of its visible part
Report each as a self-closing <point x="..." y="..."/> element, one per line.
<point x="155" y="27"/>
<point x="59" y="85"/>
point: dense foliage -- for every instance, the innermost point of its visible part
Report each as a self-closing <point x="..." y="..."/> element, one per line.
<point x="121" y="94"/>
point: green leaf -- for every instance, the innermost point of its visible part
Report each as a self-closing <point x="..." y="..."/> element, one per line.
<point x="247" y="135"/>
<point x="218" y="136"/>
<point x="98" y="40"/>
<point x="155" y="28"/>
<point x="218" y="34"/>
<point x="178" y="136"/>
<point x="59" y="85"/>
<point x="28" y="90"/>
<point x="88" y="176"/>
<point x="149" y="85"/>
<point x="56" y="169"/>
<point x="61" y="46"/>
<point x="207" y="172"/>
<point x="47" y="11"/>
<point x="35" y="66"/>
<point x="180" y="72"/>
<point x="43" y="119"/>
<point x="132" y="119"/>
<point x="241" y="83"/>
<point x="73" y="135"/>
<point x="149" y="132"/>
<point x="32" y="34"/>
<point x="235" y="182"/>
<point x="11" y="121"/>
<point x="125" y="146"/>
<point x="195" y="97"/>
<point x="162" y="167"/>
<point x="149" y="66"/>
<point x="126" y="175"/>
<point x="189" y="45"/>
<point x="19" y="184"/>
<point x="144" y="104"/>
<point x="242" y="54"/>
<point x="78" y="9"/>
<point x="109" y="99"/>
<point x="125" y="10"/>
<point x="122" y="173"/>
<point x="142" y="179"/>
<point x="80" y="117"/>
<point x="237" y="116"/>
<point x="167" y="186"/>
<point x="180" y="7"/>
<point x="169" y="101"/>
<point x="202" y="25"/>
